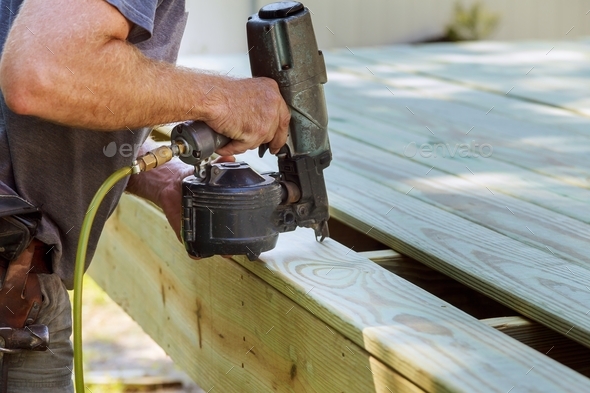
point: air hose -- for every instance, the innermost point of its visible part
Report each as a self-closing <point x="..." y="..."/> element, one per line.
<point x="144" y="163"/>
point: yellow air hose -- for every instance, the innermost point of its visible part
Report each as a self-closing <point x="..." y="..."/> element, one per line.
<point x="144" y="163"/>
<point x="79" y="271"/>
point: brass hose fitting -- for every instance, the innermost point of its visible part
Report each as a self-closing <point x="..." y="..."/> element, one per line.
<point x="157" y="157"/>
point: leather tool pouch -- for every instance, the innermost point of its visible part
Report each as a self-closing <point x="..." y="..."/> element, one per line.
<point x="20" y="292"/>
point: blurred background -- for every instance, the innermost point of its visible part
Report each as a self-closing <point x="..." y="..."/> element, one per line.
<point x="219" y="26"/>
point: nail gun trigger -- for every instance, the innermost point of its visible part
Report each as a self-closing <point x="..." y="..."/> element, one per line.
<point x="262" y="149"/>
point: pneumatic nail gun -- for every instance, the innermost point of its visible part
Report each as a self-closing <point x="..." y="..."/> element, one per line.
<point x="228" y="208"/>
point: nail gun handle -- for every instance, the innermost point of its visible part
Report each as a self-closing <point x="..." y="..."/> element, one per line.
<point x="200" y="139"/>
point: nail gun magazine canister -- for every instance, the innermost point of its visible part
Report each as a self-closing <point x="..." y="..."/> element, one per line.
<point x="230" y="211"/>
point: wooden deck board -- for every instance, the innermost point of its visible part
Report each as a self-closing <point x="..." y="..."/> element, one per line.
<point x="194" y="310"/>
<point x="380" y="67"/>
<point x="531" y="281"/>
<point x="553" y="73"/>
<point x="227" y="328"/>
<point x="391" y="71"/>
<point x="549" y="231"/>
<point x="543" y="149"/>
<point x="497" y="175"/>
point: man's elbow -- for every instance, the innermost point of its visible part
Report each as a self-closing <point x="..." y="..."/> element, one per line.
<point x="21" y="86"/>
<point x="16" y="98"/>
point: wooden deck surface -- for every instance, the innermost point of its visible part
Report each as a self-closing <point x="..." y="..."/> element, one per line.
<point x="513" y="225"/>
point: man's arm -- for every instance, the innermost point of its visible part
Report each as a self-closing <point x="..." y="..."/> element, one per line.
<point x="68" y="61"/>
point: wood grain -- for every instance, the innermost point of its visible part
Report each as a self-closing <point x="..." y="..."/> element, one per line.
<point x="539" y="148"/>
<point x="549" y="231"/>
<point x="552" y="73"/>
<point x="194" y="310"/>
<point x="439" y="285"/>
<point x="532" y="282"/>
<point x="229" y="330"/>
<point x="498" y="176"/>
<point x="424" y="338"/>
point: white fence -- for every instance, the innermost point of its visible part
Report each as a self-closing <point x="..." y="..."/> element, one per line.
<point x="218" y="26"/>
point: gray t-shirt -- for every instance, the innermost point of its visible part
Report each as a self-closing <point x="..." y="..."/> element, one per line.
<point x="59" y="168"/>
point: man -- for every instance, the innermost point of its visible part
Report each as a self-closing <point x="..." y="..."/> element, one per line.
<point x="70" y="72"/>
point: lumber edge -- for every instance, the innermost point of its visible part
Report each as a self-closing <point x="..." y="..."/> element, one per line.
<point x="223" y="325"/>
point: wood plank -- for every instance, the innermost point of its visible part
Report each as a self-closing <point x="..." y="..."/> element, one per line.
<point x="228" y="329"/>
<point x="438" y="284"/>
<point x="544" y="340"/>
<point x="187" y="306"/>
<point x="532" y="282"/>
<point x="390" y="337"/>
<point x="380" y="130"/>
<point x="384" y="66"/>
<point x="388" y="64"/>
<point x="530" y="224"/>
<point x="559" y="76"/>
<point x="538" y="148"/>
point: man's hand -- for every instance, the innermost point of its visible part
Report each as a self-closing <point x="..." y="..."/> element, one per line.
<point x="250" y="112"/>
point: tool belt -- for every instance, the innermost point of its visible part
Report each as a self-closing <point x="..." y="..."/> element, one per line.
<point x="22" y="258"/>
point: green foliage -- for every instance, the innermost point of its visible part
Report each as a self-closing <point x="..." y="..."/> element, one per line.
<point x="471" y="23"/>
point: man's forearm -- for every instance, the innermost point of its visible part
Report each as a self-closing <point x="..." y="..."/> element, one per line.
<point x="68" y="61"/>
<point x="99" y="82"/>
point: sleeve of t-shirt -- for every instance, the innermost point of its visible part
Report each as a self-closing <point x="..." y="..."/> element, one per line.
<point x="139" y="12"/>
